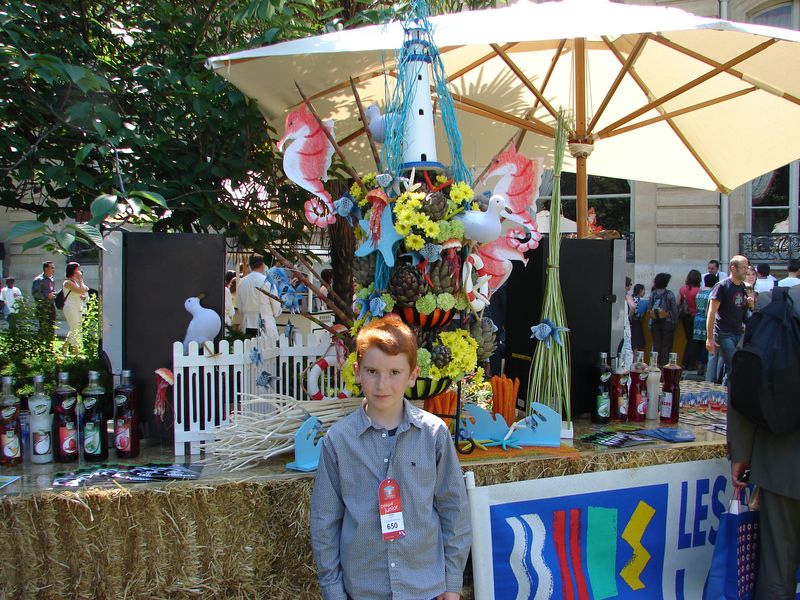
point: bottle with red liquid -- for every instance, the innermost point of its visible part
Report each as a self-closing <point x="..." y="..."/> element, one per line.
<point x="638" y="393"/>
<point x="671" y="391"/>
<point x="126" y="420"/>
<point x="619" y="391"/>
<point x="601" y="409"/>
<point x="65" y="401"/>
<point x="10" y="428"/>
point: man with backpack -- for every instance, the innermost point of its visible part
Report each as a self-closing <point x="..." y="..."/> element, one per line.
<point x="725" y="317"/>
<point x="764" y="436"/>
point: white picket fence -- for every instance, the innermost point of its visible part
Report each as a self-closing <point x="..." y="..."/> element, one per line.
<point x="211" y="382"/>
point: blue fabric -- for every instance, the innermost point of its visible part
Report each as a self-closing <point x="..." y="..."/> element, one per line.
<point x="734" y="563"/>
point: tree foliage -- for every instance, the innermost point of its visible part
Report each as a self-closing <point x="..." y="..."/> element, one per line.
<point x="107" y="110"/>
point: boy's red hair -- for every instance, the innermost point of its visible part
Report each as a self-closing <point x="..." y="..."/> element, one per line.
<point x="388" y="334"/>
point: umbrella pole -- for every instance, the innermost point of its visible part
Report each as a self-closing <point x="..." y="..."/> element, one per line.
<point x="581" y="183"/>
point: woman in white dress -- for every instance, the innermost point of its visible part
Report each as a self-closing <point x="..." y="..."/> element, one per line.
<point x="75" y="294"/>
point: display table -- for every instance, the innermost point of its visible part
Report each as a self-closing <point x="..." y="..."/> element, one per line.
<point x="225" y="535"/>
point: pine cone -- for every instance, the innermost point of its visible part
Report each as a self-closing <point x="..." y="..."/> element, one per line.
<point x="435" y="205"/>
<point x="444" y="275"/>
<point x="484" y="334"/>
<point x="406" y="285"/>
<point x="426" y="338"/>
<point x="364" y="269"/>
<point x="441" y="356"/>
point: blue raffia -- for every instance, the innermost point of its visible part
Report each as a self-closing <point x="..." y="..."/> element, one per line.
<point x="417" y="19"/>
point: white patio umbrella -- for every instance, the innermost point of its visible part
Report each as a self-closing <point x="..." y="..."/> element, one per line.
<point x="657" y="94"/>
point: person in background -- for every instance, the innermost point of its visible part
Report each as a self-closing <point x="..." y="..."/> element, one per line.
<point x="43" y="291"/>
<point x="687" y="295"/>
<point x="791" y="278"/>
<point x="713" y="269"/>
<point x="230" y="307"/>
<point x="75" y="294"/>
<point x="625" y="348"/>
<point x="699" y="326"/>
<point x="258" y="309"/>
<point x="764" y="281"/>
<point x="664" y="317"/>
<point x="639" y="310"/>
<point x="9" y="296"/>
<point x="325" y="286"/>
<point x="726" y="311"/>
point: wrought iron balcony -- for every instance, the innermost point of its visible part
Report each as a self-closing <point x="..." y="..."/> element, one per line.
<point x="769" y="247"/>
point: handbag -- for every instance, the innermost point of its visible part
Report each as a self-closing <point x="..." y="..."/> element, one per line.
<point x="734" y="563"/>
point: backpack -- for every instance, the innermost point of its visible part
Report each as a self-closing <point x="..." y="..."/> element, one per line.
<point x="60" y="299"/>
<point x="664" y="300"/>
<point x="765" y="376"/>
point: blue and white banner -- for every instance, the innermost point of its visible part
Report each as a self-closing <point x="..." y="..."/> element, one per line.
<point x="645" y="533"/>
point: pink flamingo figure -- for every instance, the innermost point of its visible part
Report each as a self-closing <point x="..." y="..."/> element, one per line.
<point x="520" y="179"/>
<point x="306" y="161"/>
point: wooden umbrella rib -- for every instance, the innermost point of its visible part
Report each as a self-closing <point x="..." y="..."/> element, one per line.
<point x="674" y="127"/>
<point x="365" y="128"/>
<point x="624" y="70"/>
<point x="525" y="81"/>
<point x="531" y="125"/>
<point x="477" y="63"/>
<point x="713" y="63"/>
<point x="686" y="87"/>
<point x="352" y="136"/>
<point x="681" y="111"/>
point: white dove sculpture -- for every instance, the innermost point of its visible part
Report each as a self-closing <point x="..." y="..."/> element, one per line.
<point x="484" y="227"/>
<point x="377" y="123"/>
<point x="205" y="323"/>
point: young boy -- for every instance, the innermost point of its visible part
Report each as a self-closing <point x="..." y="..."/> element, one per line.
<point x="389" y="514"/>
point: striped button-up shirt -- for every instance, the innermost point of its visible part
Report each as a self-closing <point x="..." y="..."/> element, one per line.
<point x="349" y="550"/>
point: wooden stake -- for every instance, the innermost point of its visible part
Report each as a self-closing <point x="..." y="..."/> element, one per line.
<point x="350" y="170"/>
<point x="363" y="116"/>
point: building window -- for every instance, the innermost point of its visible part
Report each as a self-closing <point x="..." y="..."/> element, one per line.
<point x="610" y="198"/>
<point x="773" y="197"/>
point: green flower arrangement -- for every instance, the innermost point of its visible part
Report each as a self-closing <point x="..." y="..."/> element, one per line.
<point x="464" y="350"/>
<point x="430" y="302"/>
<point x="349" y="375"/>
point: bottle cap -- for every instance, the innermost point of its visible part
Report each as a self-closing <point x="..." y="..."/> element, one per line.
<point x="8" y="380"/>
<point x="94" y="375"/>
<point x="38" y="379"/>
<point x="125" y="373"/>
<point x="63" y="377"/>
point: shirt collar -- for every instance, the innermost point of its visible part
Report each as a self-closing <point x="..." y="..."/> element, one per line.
<point x="411" y="416"/>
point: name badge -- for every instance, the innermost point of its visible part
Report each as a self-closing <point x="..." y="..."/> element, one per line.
<point x="390" y="507"/>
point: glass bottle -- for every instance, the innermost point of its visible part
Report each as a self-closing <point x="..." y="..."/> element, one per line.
<point x="41" y="407"/>
<point x="65" y="400"/>
<point x="10" y="430"/>
<point x="601" y="409"/>
<point x="619" y="391"/>
<point x="671" y="391"/>
<point x="95" y="428"/>
<point x="653" y="388"/>
<point x="638" y="396"/>
<point x="126" y="421"/>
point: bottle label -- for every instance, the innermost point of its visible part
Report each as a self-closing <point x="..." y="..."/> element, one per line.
<point x="605" y="376"/>
<point x="68" y="403"/>
<point x="641" y="406"/>
<point x="39" y="408"/>
<point x="10" y="443"/>
<point x="41" y="442"/>
<point x="68" y="437"/>
<point x="89" y="402"/>
<point x="122" y="435"/>
<point x="120" y="400"/>
<point x="603" y="405"/>
<point x="91" y="439"/>
<point x="666" y="404"/>
<point x="623" y="404"/>
<point x="8" y="412"/>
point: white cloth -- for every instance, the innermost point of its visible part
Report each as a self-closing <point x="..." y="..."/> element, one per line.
<point x="229" y="310"/>
<point x="73" y="313"/>
<point x="255" y="306"/>
<point x="789" y="282"/>
<point x="9" y="296"/>
<point x="764" y="285"/>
